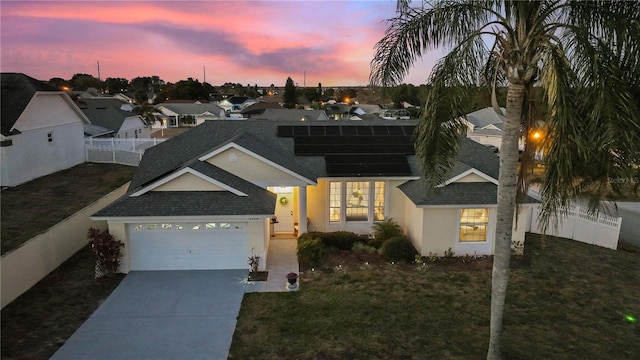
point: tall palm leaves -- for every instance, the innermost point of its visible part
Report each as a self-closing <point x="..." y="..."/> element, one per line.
<point x="583" y="55"/>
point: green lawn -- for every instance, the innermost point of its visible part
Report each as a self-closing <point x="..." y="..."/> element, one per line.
<point x="566" y="300"/>
<point x="31" y="208"/>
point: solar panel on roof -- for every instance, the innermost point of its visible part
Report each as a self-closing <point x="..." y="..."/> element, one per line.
<point x="332" y="130"/>
<point x="300" y="131"/>
<point x="316" y="130"/>
<point x="364" y="130"/>
<point x="285" y="131"/>
<point x="348" y="130"/>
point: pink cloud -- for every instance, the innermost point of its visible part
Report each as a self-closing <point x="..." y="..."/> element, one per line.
<point x="251" y="42"/>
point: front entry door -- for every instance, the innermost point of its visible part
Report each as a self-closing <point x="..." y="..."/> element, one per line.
<point x="284" y="212"/>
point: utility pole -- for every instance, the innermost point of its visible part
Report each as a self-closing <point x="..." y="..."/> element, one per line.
<point x="204" y="74"/>
<point x="98" y="70"/>
<point x="304" y="81"/>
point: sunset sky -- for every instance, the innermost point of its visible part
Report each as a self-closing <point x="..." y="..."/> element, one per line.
<point x="247" y="42"/>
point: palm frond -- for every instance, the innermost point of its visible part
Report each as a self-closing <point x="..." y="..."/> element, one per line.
<point x="415" y="31"/>
<point x="441" y="126"/>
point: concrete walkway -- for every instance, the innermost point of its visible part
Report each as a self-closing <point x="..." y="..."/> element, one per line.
<point x="281" y="260"/>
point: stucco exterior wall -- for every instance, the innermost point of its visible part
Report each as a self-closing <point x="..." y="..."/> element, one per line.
<point x="317" y="206"/>
<point x="188" y="182"/>
<point x="25" y="266"/>
<point x="412" y="223"/>
<point x="439" y="230"/>
<point x="252" y="169"/>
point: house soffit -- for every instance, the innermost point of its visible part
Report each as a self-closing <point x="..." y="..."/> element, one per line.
<point x="256" y="156"/>
<point x="184" y="171"/>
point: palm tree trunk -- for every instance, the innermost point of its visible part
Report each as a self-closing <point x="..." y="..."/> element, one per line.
<point x="507" y="185"/>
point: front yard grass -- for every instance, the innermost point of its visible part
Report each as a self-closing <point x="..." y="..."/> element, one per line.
<point x="31" y="208"/>
<point x="566" y="300"/>
<point x="39" y="321"/>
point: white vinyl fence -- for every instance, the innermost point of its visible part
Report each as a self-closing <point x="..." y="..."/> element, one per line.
<point x="118" y="151"/>
<point x="598" y="229"/>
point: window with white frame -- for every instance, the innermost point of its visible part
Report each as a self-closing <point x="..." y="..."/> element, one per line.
<point x="473" y="225"/>
<point x="356" y="201"/>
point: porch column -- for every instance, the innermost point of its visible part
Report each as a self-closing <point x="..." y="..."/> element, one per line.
<point x="302" y="210"/>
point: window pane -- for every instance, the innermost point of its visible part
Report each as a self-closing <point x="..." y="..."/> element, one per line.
<point x="166" y="226"/>
<point x="335" y="201"/>
<point x="357" y="201"/>
<point x="378" y="206"/>
<point x="473" y="224"/>
<point x="210" y="225"/>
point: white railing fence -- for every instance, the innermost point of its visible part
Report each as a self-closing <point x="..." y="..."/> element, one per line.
<point x="598" y="229"/>
<point x="118" y="151"/>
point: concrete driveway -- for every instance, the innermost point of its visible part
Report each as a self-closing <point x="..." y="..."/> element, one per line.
<point x="163" y="315"/>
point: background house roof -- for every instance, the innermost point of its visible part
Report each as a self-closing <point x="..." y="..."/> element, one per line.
<point x="191" y="109"/>
<point x="291" y="115"/>
<point x="17" y="91"/>
<point x="108" y="117"/>
<point x="485" y="117"/>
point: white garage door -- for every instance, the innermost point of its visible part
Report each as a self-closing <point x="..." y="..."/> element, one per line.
<point x="188" y="246"/>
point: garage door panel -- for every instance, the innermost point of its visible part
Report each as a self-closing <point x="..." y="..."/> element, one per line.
<point x="188" y="246"/>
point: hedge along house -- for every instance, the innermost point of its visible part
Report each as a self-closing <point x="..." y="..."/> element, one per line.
<point x="206" y="198"/>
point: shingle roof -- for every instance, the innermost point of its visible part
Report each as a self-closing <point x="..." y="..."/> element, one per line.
<point x="484" y="117"/>
<point x="109" y="117"/>
<point x="291" y="115"/>
<point x="17" y="91"/>
<point x="468" y="193"/>
<point x="188" y="203"/>
<point x="257" y="136"/>
<point x="192" y="109"/>
<point x="258" y="201"/>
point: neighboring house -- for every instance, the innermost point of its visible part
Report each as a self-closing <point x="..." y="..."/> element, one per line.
<point x="367" y="117"/>
<point x="235" y="104"/>
<point x="42" y="130"/>
<point x="174" y="114"/>
<point x="337" y="111"/>
<point x="367" y="109"/>
<point x="259" y="108"/>
<point x="205" y="199"/>
<point x="292" y="115"/>
<point x="484" y="126"/>
<point x="123" y="124"/>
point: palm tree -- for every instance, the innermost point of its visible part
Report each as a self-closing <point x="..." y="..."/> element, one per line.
<point x="582" y="55"/>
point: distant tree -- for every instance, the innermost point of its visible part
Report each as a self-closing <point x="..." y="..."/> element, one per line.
<point x="58" y="83"/>
<point x="141" y="96"/>
<point x="115" y="85"/>
<point x="141" y="83"/>
<point x="319" y="90"/>
<point x="289" y="96"/>
<point x="83" y="81"/>
<point x="346" y="95"/>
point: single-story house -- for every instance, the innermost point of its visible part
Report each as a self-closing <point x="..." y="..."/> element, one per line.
<point x="106" y="114"/>
<point x="205" y="199"/>
<point x="173" y="114"/>
<point x="235" y="104"/>
<point x="484" y="126"/>
<point x="42" y="130"/>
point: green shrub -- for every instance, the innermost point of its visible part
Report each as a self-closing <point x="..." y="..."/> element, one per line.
<point x="386" y="229"/>
<point x="375" y="243"/>
<point x="341" y="240"/>
<point x="398" y="248"/>
<point x="311" y="250"/>
<point x="363" y="248"/>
